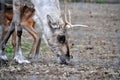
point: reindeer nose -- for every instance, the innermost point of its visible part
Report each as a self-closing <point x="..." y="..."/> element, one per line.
<point x="61" y="38"/>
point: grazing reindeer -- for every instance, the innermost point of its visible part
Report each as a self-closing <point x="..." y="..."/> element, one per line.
<point x="28" y="24"/>
<point x="48" y="17"/>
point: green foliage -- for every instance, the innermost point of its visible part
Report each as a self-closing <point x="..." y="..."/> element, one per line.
<point x="9" y="50"/>
<point x="101" y="1"/>
<point x="26" y="47"/>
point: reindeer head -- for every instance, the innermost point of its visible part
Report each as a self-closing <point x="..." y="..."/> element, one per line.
<point x="58" y="42"/>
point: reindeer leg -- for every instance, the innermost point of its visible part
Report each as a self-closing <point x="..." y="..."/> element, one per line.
<point x="18" y="56"/>
<point x="4" y="41"/>
<point x="5" y="30"/>
<point x="34" y="53"/>
<point x="37" y="55"/>
<point x="3" y="57"/>
<point x="14" y="37"/>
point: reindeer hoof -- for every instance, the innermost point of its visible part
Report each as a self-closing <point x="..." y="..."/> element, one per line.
<point x="3" y="57"/>
<point x="21" y="61"/>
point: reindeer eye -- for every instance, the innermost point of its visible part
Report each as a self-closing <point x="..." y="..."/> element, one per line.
<point x="55" y="25"/>
<point x="61" y="38"/>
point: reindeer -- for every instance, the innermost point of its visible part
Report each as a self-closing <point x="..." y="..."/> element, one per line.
<point x="27" y="23"/>
<point x="48" y="17"/>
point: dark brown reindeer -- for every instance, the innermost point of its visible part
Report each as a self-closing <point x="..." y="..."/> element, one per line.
<point x="27" y="23"/>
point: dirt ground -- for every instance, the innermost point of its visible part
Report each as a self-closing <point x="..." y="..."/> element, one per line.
<point x="95" y="49"/>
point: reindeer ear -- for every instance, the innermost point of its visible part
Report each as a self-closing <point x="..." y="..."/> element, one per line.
<point x="49" y="18"/>
<point x="50" y="21"/>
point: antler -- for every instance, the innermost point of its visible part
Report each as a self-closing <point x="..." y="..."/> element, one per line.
<point x="69" y="16"/>
<point x="68" y="22"/>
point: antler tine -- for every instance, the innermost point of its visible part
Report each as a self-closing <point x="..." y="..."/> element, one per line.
<point x="65" y="15"/>
<point x="68" y="22"/>
<point x="69" y="16"/>
<point x="76" y="25"/>
<point x="79" y="25"/>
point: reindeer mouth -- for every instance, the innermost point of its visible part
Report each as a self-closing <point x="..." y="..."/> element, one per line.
<point x="63" y="60"/>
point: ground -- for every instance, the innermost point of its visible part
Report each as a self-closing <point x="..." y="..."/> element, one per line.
<point x="95" y="49"/>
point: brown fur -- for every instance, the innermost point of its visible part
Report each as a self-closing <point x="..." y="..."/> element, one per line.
<point x="26" y="21"/>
